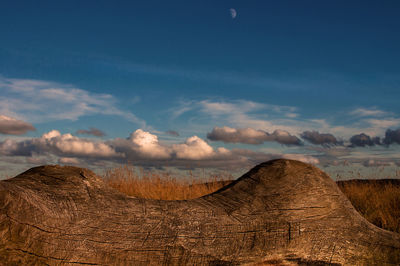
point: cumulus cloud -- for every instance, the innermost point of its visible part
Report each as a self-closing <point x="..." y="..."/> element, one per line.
<point x="392" y="136"/>
<point x="145" y="149"/>
<point x="10" y="147"/>
<point x="283" y="137"/>
<point x="71" y="145"/>
<point x="56" y="143"/>
<point x="144" y="145"/>
<point x="141" y="148"/>
<point x="362" y="140"/>
<point x="251" y="136"/>
<point x="194" y="148"/>
<point x="319" y="138"/>
<point x="92" y="131"/>
<point x="12" y="126"/>
<point x="147" y="145"/>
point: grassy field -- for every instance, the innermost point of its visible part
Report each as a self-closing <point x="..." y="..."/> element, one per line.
<point x="377" y="200"/>
<point x="162" y="185"/>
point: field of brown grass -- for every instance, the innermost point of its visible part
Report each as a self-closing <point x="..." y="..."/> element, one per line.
<point x="153" y="184"/>
<point x="378" y="201"/>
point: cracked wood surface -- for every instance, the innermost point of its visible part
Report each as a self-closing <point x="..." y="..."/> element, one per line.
<point x="281" y="211"/>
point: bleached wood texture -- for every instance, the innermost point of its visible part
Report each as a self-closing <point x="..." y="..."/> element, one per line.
<point x="281" y="211"/>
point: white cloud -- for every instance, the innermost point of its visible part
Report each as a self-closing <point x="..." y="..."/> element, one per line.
<point x="269" y="118"/>
<point x="241" y="114"/>
<point x="147" y="145"/>
<point x="374" y="112"/>
<point x="144" y="148"/>
<point x="51" y="134"/>
<point x="194" y="149"/>
<point x="232" y="109"/>
<point x="10" y="147"/>
<point x="44" y="101"/>
<point x="217" y="108"/>
<point x="68" y="144"/>
<point x="384" y="123"/>
<point x="140" y="148"/>
<point x="55" y="143"/>
<point x="142" y="145"/>
<point x="12" y="126"/>
<point x="242" y="107"/>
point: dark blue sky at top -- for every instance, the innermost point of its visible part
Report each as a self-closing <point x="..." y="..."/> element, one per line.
<point x="320" y="56"/>
<point x="189" y="67"/>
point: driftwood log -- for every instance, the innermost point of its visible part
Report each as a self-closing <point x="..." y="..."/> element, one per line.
<point x="280" y="212"/>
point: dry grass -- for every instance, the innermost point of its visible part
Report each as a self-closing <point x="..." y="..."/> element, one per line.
<point x="161" y="185"/>
<point x="377" y="201"/>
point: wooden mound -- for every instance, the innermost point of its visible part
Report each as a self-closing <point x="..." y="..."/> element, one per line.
<point x="281" y="212"/>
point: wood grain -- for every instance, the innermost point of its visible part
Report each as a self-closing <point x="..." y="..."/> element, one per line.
<point x="280" y="212"/>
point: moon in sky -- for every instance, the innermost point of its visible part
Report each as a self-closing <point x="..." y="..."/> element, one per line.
<point x="233" y="12"/>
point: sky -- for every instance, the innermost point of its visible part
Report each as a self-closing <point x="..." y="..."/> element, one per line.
<point x="200" y="84"/>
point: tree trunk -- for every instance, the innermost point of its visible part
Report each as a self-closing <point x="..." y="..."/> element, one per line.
<point x="280" y="212"/>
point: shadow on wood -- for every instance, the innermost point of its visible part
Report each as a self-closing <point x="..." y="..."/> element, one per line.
<point x="280" y="212"/>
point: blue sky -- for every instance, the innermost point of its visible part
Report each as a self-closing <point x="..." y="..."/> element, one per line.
<point x="248" y="87"/>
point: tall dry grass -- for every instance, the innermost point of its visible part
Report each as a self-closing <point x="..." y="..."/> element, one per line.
<point x="162" y="185"/>
<point x="377" y="201"/>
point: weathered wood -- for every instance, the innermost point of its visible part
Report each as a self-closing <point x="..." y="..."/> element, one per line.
<point x="279" y="212"/>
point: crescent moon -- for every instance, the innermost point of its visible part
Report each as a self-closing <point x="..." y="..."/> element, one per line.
<point x="233" y="12"/>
